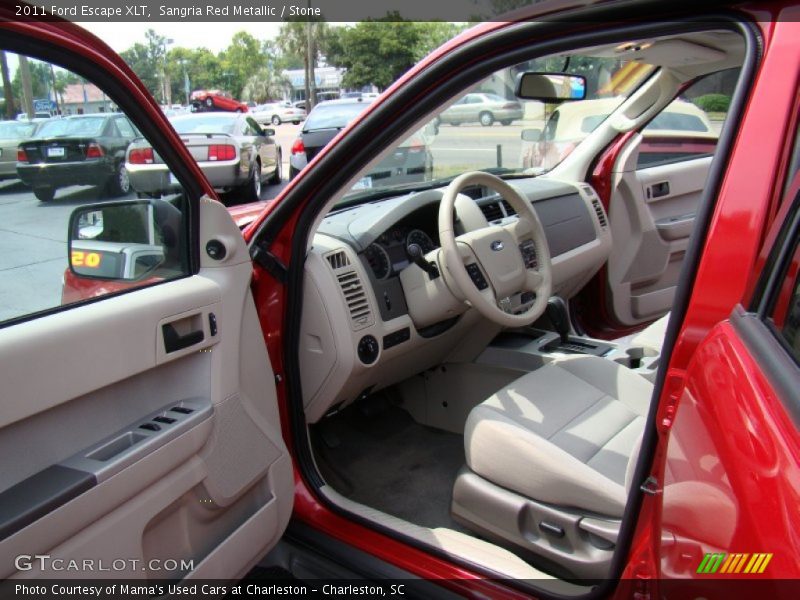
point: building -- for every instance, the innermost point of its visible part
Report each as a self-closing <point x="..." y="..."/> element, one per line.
<point x="84" y="98"/>
<point x="328" y="80"/>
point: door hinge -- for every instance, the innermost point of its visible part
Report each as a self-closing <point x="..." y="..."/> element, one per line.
<point x="650" y="486"/>
<point x="270" y="263"/>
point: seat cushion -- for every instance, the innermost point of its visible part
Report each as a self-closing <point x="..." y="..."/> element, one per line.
<point x="652" y="336"/>
<point x="563" y="434"/>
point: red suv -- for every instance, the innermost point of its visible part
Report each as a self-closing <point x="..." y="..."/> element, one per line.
<point x="581" y="378"/>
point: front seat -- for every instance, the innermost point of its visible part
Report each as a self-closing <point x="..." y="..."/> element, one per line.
<point x="550" y="458"/>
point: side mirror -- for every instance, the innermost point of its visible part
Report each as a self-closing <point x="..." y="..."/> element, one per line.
<point x="123" y="241"/>
<point x="531" y="135"/>
<point x="269" y="132"/>
<point x="551" y="87"/>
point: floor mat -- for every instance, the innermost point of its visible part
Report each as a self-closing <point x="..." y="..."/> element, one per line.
<point x="387" y="461"/>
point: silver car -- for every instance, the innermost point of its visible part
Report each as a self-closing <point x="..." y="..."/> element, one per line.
<point x="277" y="113"/>
<point x="11" y="134"/>
<point x="483" y="108"/>
<point x="233" y="151"/>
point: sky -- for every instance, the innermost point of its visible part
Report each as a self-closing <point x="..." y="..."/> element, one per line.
<point x="214" y="36"/>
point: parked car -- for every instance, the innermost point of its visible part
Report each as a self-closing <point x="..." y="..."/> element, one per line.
<point x="11" y="134"/>
<point x="233" y="151"/>
<point x="483" y="108"/>
<point x="77" y="150"/>
<point x="204" y="100"/>
<point x="682" y="127"/>
<point x="277" y="113"/>
<point x="412" y="161"/>
<point x="489" y="383"/>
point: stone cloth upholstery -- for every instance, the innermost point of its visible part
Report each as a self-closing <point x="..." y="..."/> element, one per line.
<point x="566" y="434"/>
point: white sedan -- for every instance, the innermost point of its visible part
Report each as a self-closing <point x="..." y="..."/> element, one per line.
<point x="277" y="113"/>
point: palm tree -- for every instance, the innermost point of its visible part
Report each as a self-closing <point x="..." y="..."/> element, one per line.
<point x="265" y="84"/>
<point x="301" y="38"/>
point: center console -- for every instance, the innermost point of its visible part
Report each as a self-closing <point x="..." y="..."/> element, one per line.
<point x="530" y="348"/>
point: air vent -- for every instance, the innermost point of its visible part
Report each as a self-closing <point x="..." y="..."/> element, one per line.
<point x="355" y="298"/>
<point x="509" y="209"/>
<point x="601" y="214"/>
<point x="492" y="211"/>
<point x="338" y="260"/>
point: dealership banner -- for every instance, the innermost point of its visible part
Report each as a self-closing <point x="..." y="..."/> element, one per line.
<point x="266" y="10"/>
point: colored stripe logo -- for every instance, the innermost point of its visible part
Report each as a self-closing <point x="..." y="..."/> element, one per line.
<point x="721" y="562"/>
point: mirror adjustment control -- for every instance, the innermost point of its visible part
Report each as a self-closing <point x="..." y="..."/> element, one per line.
<point x="150" y="427"/>
<point x="368" y="349"/>
<point x="212" y="324"/>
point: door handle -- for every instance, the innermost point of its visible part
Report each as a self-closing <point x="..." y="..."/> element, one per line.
<point x="174" y="341"/>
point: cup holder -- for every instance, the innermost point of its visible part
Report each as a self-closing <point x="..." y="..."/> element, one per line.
<point x="634" y="356"/>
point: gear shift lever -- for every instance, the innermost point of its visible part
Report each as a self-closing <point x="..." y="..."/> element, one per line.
<point x="559" y="316"/>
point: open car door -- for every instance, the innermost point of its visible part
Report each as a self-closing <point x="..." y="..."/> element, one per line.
<point x="139" y="428"/>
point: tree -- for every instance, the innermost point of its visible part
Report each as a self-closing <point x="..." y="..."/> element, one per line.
<point x="376" y="52"/>
<point x="431" y="35"/>
<point x="240" y="60"/>
<point x="303" y="39"/>
<point x="265" y="84"/>
<point x="8" y="92"/>
<point x="142" y="63"/>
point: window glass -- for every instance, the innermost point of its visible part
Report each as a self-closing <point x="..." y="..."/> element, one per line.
<point x="205" y="123"/>
<point x="74" y="226"/>
<point x="689" y="127"/>
<point x="124" y="127"/>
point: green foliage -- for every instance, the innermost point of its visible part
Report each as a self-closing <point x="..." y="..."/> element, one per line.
<point x="378" y="52"/>
<point x="713" y="102"/>
<point x="240" y="60"/>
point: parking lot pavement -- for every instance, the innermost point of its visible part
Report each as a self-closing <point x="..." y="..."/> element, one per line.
<point x="33" y="246"/>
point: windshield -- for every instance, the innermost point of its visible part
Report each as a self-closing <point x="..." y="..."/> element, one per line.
<point x="334" y="115"/>
<point x="79" y="126"/>
<point x="488" y="128"/>
<point x="208" y="123"/>
<point x="12" y="130"/>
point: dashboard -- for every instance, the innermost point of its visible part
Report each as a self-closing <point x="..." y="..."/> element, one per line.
<point x="370" y="318"/>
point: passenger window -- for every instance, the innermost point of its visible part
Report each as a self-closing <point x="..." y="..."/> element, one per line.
<point x="71" y="168"/>
<point x="689" y="127"/>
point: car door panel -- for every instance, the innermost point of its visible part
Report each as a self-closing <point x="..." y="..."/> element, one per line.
<point x="218" y="477"/>
<point x="653" y="209"/>
<point x="744" y="476"/>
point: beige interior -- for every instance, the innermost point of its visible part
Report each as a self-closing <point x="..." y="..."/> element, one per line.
<point x="219" y="493"/>
<point x="550" y="441"/>
<point x="643" y="274"/>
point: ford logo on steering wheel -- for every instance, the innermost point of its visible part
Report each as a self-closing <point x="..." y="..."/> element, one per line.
<point x="497" y="245"/>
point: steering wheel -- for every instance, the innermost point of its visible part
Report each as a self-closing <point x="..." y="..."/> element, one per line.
<point x="491" y="264"/>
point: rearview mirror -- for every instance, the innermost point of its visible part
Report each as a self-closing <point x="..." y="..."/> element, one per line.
<point x="531" y="135"/>
<point x="551" y="87"/>
<point x="269" y="132"/>
<point x="122" y="241"/>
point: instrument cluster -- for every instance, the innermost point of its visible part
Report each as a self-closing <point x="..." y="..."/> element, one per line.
<point x="388" y="255"/>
